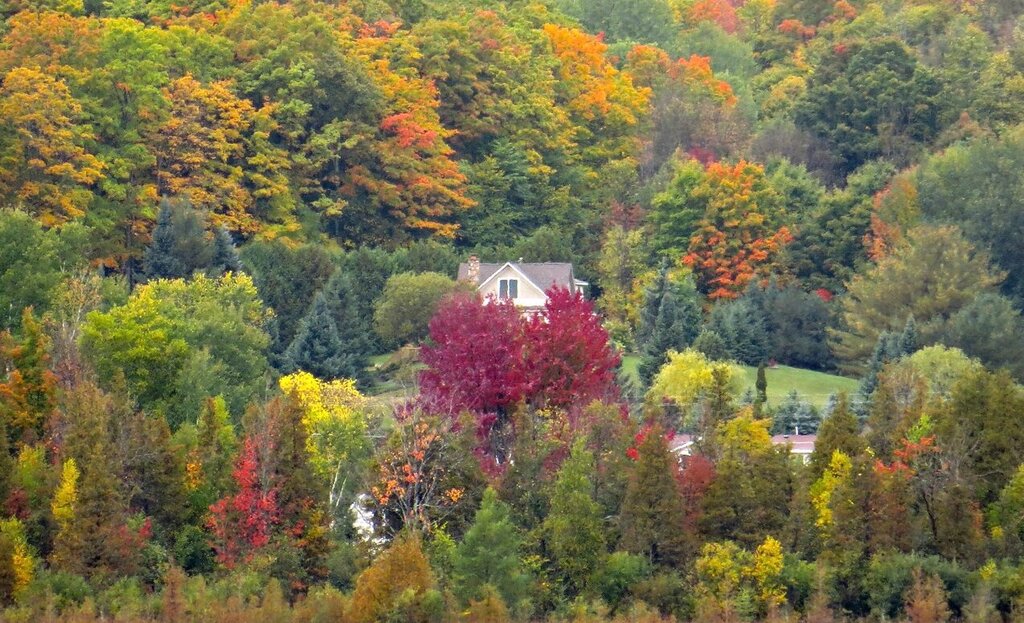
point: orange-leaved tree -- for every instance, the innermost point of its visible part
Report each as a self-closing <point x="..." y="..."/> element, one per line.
<point x="741" y="233"/>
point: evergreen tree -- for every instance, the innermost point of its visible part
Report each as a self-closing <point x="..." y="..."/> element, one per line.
<point x="711" y="344"/>
<point x="742" y="327"/>
<point x="216" y="445"/>
<point x="317" y="347"/>
<point x="161" y="259"/>
<point x="225" y="257"/>
<point x="153" y="472"/>
<point x="653" y="515"/>
<point x="907" y="343"/>
<point x="795" y="415"/>
<point x="300" y="494"/>
<point x="333" y="339"/>
<point x="6" y="461"/>
<point x="838" y="431"/>
<point x="573" y="524"/>
<point x="8" y="577"/>
<point x="490" y="555"/>
<point x="97" y="544"/>
<point x="886" y="349"/>
<point x="761" y="385"/>
<point x="669" y="320"/>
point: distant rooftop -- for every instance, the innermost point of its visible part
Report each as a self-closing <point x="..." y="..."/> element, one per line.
<point x="542" y="274"/>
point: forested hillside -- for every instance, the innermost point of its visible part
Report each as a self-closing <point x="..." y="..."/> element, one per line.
<point x="240" y="382"/>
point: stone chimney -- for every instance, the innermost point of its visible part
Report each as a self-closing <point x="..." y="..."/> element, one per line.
<point x="473" y="270"/>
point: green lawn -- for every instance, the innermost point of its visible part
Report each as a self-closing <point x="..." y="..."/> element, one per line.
<point x="813" y="386"/>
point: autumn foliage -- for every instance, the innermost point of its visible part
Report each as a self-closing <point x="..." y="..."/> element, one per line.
<point x="737" y="239"/>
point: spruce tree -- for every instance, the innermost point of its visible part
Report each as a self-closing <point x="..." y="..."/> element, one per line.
<point x="670" y="320"/>
<point x="887" y="349"/>
<point x="653" y="514"/>
<point x="573" y="524"/>
<point x="838" y="431"/>
<point x="225" y="257"/>
<point x="490" y="555"/>
<point x="161" y="259"/>
<point x="353" y="328"/>
<point x="908" y="340"/>
<point x="317" y="347"/>
<point x="742" y="327"/>
<point x="333" y="339"/>
<point x="795" y="415"/>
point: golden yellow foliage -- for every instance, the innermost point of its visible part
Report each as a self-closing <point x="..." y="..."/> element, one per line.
<point x="689" y="374"/>
<point x="23" y="563"/>
<point x="65" y="498"/>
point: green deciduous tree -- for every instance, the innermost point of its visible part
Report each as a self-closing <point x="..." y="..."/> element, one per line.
<point x="169" y="333"/>
<point x="574" y="523"/>
<point x="408" y="302"/>
<point x="933" y="276"/>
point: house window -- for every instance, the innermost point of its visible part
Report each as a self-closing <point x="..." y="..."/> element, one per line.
<point x="508" y="288"/>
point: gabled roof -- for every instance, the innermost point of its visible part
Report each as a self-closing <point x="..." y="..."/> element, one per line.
<point x="518" y="270"/>
<point x="541" y="274"/>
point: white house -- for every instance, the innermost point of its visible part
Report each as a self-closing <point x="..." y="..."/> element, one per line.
<point x="801" y="447"/>
<point x="523" y="283"/>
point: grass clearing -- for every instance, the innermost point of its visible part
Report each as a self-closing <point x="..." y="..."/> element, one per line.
<point x="813" y="386"/>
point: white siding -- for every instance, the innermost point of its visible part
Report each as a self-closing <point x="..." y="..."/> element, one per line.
<point x="529" y="296"/>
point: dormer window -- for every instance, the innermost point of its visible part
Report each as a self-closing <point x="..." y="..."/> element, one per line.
<point x="508" y="288"/>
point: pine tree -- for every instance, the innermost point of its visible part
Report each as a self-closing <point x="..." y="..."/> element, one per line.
<point x="161" y="258"/>
<point x="839" y="431"/>
<point x="225" y="257"/>
<point x="653" y="515"/>
<point x="573" y="524"/>
<point x="490" y="555"/>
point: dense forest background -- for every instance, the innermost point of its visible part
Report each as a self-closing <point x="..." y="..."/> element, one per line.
<point x="239" y="382"/>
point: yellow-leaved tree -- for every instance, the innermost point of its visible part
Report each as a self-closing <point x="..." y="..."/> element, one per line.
<point x="689" y="374"/>
<point x="13" y="531"/>
<point x="731" y="579"/>
<point x="337" y="431"/>
<point x="65" y="498"/>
